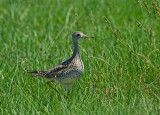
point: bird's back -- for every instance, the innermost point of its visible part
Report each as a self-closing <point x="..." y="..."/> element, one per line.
<point x="72" y="70"/>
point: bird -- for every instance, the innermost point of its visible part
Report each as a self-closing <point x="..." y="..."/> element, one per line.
<point x="69" y="71"/>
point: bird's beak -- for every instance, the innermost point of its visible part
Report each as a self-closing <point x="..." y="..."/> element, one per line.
<point x="87" y="36"/>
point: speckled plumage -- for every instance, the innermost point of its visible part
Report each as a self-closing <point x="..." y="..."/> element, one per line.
<point x="69" y="71"/>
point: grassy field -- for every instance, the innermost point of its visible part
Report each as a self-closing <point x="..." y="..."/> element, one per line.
<point x="122" y="63"/>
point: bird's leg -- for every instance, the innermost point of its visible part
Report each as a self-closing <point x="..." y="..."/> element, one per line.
<point x="67" y="94"/>
<point x="48" y="83"/>
<point x="68" y="90"/>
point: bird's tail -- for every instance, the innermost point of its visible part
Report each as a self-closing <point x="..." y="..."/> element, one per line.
<point x="38" y="73"/>
<point x="32" y="71"/>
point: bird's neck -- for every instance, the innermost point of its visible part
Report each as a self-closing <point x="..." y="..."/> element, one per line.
<point x="76" y="49"/>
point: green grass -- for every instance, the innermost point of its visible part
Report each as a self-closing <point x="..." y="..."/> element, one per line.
<point x="122" y="63"/>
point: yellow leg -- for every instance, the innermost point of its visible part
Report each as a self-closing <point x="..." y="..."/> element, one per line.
<point x="48" y="83"/>
<point x="67" y="94"/>
<point x="68" y="86"/>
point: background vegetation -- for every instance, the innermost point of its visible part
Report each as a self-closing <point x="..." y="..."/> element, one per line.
<point x="122" y="63"/>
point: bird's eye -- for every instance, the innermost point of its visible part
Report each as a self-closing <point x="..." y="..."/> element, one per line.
<point x="78" y="34"/>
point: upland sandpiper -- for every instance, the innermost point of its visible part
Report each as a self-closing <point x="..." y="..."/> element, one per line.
<point x="69" y="71"/>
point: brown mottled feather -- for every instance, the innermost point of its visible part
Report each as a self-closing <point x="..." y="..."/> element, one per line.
<point x="52" y="72"/>
<point x="69" y="71"/>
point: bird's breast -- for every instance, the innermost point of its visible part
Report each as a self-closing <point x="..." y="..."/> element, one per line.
<point x="70" y="76"/>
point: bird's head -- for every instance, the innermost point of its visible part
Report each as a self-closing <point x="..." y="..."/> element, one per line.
<point x="79" y="35"/>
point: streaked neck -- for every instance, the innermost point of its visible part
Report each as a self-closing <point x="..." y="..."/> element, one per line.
<point x="76" y="49"/>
